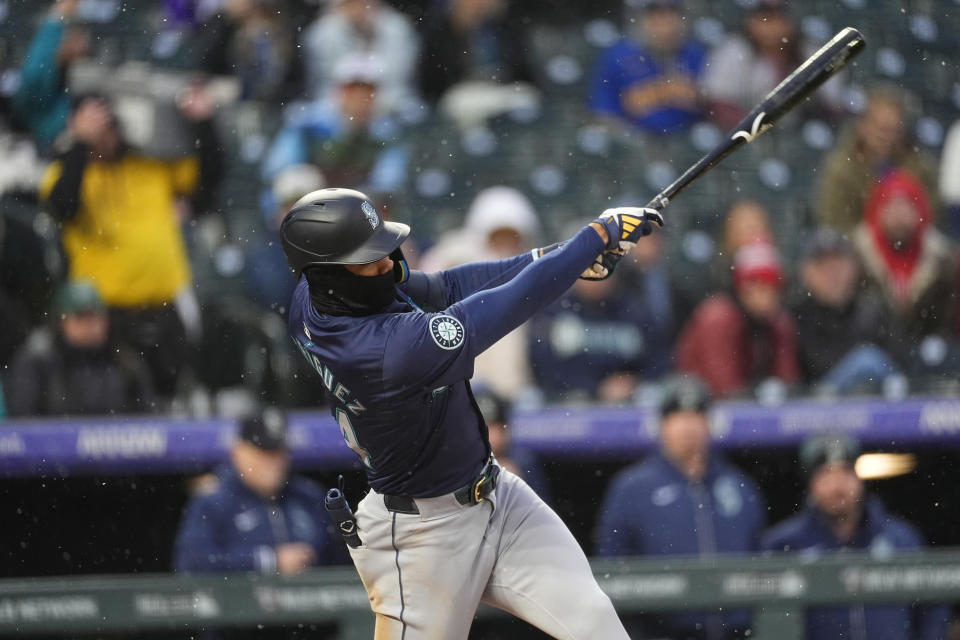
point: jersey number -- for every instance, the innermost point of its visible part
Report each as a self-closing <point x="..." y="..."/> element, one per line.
<point x="350" y="436"/>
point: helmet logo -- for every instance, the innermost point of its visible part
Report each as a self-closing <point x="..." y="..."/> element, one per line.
<point x="371" y="214"/>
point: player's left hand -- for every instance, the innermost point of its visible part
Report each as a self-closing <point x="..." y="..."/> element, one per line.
<point x="602" y="267"/>
<point x="596" y="271"/>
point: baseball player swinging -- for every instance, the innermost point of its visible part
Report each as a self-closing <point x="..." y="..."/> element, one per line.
<point x="443" y="527"/>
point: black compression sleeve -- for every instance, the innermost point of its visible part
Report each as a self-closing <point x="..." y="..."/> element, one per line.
<point x="64" y="199"/>
<point x="427" y="290"/>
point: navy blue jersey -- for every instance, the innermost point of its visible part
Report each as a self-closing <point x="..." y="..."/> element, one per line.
<point x="231" y="528"/>
<point x="397" y="381"/>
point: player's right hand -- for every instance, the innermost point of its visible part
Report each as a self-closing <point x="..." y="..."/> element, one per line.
<point x="624" y="227"/>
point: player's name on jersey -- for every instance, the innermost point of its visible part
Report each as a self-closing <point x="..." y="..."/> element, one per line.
<point x="339" y="391"/>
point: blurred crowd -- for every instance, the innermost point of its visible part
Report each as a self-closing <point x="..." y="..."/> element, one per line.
<point x="141" y="272"/>
<point x="121" y="190"/>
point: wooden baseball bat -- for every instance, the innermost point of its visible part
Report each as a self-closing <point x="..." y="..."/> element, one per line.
<point x="805" y="79"/>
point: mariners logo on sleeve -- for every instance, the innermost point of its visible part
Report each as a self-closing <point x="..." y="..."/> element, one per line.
<point x="371" y="214"/>
<point x="446" y="331"/>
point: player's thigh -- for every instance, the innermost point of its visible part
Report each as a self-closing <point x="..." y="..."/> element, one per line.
<point x="424" y="577"/>
<point x="542" y="574"/>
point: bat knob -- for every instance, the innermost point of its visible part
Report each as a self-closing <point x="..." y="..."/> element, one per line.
<point x="652" y="213"/>
<point x="654" y="216"/>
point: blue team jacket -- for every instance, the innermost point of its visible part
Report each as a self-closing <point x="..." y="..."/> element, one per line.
<point x="631" y="82"/>
<point x="882" y="533"/>
<point x="574" y="344"/>
<point x="652" y="509"/>
<point x="234" y="529"/>
<point x="397" y="381"/>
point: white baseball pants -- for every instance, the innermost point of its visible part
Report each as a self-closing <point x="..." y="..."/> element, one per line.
<point x="426" y="573"/>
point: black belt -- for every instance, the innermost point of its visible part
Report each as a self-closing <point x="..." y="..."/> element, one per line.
<point x="469" y="494"/>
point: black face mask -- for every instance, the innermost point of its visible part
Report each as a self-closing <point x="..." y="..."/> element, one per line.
<point x="337" y="292"/>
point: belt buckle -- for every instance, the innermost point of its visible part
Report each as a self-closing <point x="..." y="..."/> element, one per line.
<point x="490" y="473"/>
<point x="476" y="489"/>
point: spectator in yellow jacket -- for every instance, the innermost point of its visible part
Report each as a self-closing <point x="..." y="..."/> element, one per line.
<point x="121" y="229"/>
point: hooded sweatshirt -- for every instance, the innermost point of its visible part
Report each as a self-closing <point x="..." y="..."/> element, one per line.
<point x="917" y="279"/>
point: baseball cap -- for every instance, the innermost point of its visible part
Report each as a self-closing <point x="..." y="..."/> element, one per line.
<point x="685" y="394"/>
<point x="266" y="429"/>
<point x="757" y="261"/>
<point x="77" y="296"/>
<point x="820" y="450"/>
<point x="825" y="242"/>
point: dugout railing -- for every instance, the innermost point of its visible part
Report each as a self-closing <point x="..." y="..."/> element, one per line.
<point x="778" y="589"/>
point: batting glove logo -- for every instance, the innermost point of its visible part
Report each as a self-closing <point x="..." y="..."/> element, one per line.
<point x="447" y="332"/>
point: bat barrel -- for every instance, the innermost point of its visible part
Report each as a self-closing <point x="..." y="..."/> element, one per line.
<point x="804" y="80"/>
<point x="816" y="70"/>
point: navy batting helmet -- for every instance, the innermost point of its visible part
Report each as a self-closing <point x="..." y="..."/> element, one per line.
<point x="337" y="226"/>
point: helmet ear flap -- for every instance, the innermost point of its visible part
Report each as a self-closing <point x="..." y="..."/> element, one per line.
<point x="401" y="270"/>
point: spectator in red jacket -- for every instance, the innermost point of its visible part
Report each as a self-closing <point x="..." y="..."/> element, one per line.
<point x="906" y="259"/>
<point x="734" y="341"/>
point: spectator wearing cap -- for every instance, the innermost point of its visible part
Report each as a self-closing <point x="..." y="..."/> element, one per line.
<point x="909" y="262"/>
<point x="876" y="143"/>
<point x="649" y="78"/>
<point x="361" y="28"/>
<point x="745" y="221"/>
<point x="743" y="68"/>
<point x="514" y="458"/>
<point x="685" y="499"/>
<point x="736" y="340"/>
<point x="255" y="515"/>
<point x="72" y="369"/>
<point x="844" y="332"/>
<point x="840" y="515"/>
<point x="344" y="137"/>
<point x="41" y="101"/>
<point x="120" y="211"/>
